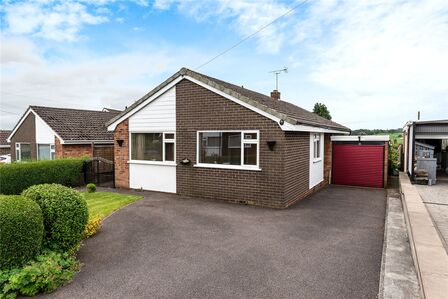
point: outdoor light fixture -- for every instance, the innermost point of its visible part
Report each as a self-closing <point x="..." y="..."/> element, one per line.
<point x="281" y="122"/>
<point x="185" y="161"/>
<point x="271" y="144"/>
<point x="120" y="142"/>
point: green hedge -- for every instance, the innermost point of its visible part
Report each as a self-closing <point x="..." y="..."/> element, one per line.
<point x="21" y="230"/>
<point x="16" y="177"/>
<point x="65" y="215"/>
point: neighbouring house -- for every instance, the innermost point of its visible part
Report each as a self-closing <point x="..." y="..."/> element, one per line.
<point x="44" y="133"/>
<point x="195" y="135"/>
<point x="425" y="150"/>
<point x="5" y="147"/>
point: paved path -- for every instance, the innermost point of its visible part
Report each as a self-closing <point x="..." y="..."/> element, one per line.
<point x="328" y="246"/>
<point x="436" y="201"/>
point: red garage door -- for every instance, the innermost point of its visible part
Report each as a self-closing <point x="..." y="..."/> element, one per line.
<point x="358" y="165"/>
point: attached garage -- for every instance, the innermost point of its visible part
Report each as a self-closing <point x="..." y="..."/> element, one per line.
<point x="360" y="160"/>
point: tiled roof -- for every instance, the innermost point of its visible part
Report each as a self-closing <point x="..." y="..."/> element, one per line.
<point x="3" y="136"/>
<point x="280" y="108"/>
<point x="76" y="124"/>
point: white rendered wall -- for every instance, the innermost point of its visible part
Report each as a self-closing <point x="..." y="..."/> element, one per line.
<point x="44" y="134"/>
<point x="153" y="177"/>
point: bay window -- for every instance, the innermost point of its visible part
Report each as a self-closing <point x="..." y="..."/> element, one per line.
<point x="231" y="149"/>
<point x="158" y="147"/>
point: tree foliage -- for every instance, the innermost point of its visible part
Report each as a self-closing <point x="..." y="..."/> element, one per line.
<point x="322" y="110"/>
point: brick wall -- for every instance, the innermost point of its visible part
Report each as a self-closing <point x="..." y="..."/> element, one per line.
<point x="200" y="109"/>
<point x="386" y="163"/>
<point x="297" y="166"/>
<point x="71" y="150"/>
<point x="328" y="156"/>
<point x="26" y="133"/>
<point x="121" y="155"/>
<point x="5" y="150"/>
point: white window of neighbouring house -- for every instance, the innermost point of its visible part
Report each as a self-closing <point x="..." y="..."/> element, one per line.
<point x="23" y="152"/>
<point x="316" y="147"/>
<point x="228" y="149"/>
<point x="45" y="151"/>
<point x="157" y="147"/>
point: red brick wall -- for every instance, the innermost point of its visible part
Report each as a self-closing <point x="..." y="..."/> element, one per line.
<point x="121" y="155"/>
<point x="328" y="156"/>
<point x="200" y="109"/>
<point x="71" y="150"/>
<point x="5" y="150"/>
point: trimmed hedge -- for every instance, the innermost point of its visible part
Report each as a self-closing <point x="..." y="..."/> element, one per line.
<point x="21" y="230"/>
<point x="16" y="177"/>
<point x="91" y="188"/>
<point x="65" y="215"/>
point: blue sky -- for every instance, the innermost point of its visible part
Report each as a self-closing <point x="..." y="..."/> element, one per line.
<point x="373" y="63"/>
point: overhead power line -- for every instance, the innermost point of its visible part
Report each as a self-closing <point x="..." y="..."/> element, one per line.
<point x="252" y="34"/>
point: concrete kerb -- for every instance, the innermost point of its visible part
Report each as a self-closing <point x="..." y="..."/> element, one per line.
<point x="428" y="253"/>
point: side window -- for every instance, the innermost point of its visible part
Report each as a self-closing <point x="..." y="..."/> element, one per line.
<point x="316" y="146"/>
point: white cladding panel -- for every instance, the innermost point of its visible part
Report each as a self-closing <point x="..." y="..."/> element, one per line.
<point x="153" y="177"/>
<point x="44" y="134"/>
<point x="316" y="167"/>
<point x="158" y="116"/>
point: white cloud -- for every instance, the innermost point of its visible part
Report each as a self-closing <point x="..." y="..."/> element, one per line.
<point x="85" y="81"/>
<point x="18" y="50"/>
<point x="381" y="59"/>
<point x="55" y="20"/>
<point x="248" y="16"/>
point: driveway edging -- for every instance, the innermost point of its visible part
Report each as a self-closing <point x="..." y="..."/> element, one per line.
<point x="428" y="252"/>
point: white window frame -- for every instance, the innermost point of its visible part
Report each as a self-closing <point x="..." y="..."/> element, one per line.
<point x="242" y="166"/>
<point x="164" y="140"/>
<point x="18" y="152"/>
<point x="19" y="147"/>
<point x="52" y="150"/>
<point x="317" y="144"/>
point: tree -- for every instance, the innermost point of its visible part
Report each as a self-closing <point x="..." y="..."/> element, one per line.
<point x="322" y="110"/>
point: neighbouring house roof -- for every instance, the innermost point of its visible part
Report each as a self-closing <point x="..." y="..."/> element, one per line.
<point x="74" y="125"/>
<point x="3" y="138"/>
<point x="279" y="108"/>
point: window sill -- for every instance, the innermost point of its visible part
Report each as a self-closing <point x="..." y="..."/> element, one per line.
<point x="159" y="163"/>
<point x="317" y="160"/>
<point x="234" y="167"/>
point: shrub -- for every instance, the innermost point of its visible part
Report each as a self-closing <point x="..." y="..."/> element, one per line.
<point x="92" y="227"/>
<point x="45" y="274"/>
<point x="65" y="215"/>
<point x="16" y="177"/>
<point x="91" y="188"/>
<point x="21" y="230"/>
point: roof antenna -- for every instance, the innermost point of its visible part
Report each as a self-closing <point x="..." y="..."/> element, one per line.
<point x="278" y="72"/>
<point x="418" y="115"/>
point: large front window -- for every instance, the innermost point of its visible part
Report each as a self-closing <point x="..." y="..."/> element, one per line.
<point x="45" y="152"/>
<point x="232" y="148"/>
<point x="153" y="146"/>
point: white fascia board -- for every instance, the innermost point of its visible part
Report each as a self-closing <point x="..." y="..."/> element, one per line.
<point x="113" y="125"/>
<point x="23" y="119"/>
<point x="285" y="127"/>
<point x="423" y="136"/>
<point x="361" y="138"/>
<point x="4" y="146"/>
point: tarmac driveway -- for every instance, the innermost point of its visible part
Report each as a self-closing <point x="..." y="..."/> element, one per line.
<point x="327" y="246"/>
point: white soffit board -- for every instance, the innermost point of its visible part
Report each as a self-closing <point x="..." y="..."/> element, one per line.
<point x="361" y="138"/>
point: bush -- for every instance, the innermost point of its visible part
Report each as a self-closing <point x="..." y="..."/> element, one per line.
<point x="45" y="274"/>
<point x="91" y="188"/>
<point x="65" y="215"/>
<point x="92" y="227"/>
<point x="21" y="230"/>
<point x="16" y="177"/>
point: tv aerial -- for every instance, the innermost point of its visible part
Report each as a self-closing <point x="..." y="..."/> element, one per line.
<point x="278" y="72"/>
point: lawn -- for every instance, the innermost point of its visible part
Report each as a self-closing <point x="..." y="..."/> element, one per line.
<point x="103" y="204"/>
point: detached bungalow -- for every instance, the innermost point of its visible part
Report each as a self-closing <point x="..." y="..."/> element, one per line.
<point x="199" y="136"/>
<point x="44" y="133"/>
